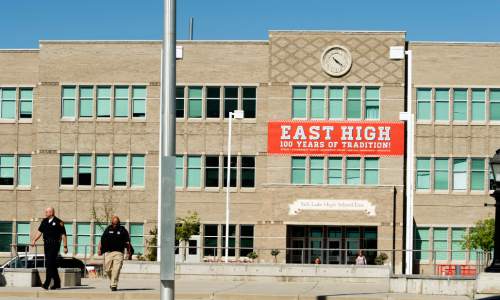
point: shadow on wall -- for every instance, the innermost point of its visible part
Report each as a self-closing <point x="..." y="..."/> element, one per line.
<point x="3" y="282"/>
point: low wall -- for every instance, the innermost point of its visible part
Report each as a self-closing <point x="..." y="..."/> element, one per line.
<point x="20" y="277"/>
<point x="433" y="285"/>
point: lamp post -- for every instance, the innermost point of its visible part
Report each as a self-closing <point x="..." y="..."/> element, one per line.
<point x="495" y="168"/>
<point x="237" y="114"/>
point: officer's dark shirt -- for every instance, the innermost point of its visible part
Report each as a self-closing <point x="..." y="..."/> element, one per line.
<point x="114" y="239"/>
<point x="52" y="231"/>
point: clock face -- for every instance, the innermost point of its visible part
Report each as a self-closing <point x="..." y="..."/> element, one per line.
<point x="336" y="61"/>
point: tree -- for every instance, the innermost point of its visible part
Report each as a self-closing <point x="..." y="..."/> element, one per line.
<point x="482" y="236"/>
<point x="187" y="227"/>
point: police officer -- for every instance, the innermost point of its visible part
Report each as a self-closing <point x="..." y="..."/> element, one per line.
<point x="53" y="232"/>
<point x="114" y="240"/>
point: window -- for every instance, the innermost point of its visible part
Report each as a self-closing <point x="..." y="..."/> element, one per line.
<point x="68" y="102"/>
<point x="246" y="239"/>
<point x="23" y="236"/>
<point x="120" y="170"/>
<point x="352" y="170"/>
<point x="24" y="170"/>
<point x="299" y="103"/>
<point x="230" y="100"/>
<point x="372" y="103"/>
<point x="371" y="171"/>
<point x="8" y="103"/>
<point x="478" y="105"/>
<point x="6" y="169"/>
<point x="440" y="244"/>
<point x="179" y="102"/>
<point x="422" y="243"/>
<point x="247" y="171"/>
<point x="210" y="239"/>
<point x="335" y="170"/>
<point x="179" y="171"/>
<point x="317" y="102"/>
<point x="298" y="170"/>
<point x="460" y="105"/>
<point x="457" y="237"/>
<point x="67" y="169"/>
<point x="193" y="171"/>
<point x="423" y="173"/>
<point x="195" y="94"/>
<point x="103" y="102"/>
<point x="212" y="171"/>
<point x="495" y="105"/>
<point x="249" y="101"/>
<point x="84" y="169"/>
<point x="86" y="101"/>
<point x="137" y="172"/>
<point x="424" y="104"/>
<point x="441" y="174"/>
<point x="232" y="239"/>
<point x="138" y="101"/>
<point x="459" y="174"/>
<point x="83" y="238"/>
<point x="233" y="169"/>
<point x="5" y="236"/>
<point x="98" y="231"/>
<point x="102" y="170"/>
<point x="137" y="237"/>
<point x="477" y="174"/>
<point x="353" y="103"/>
<point x="336" y="98"/>
<point x="26" y="103"/>
<point x="69" y="234"/>
<point x="316" y="170"/>
<point x="121" y="101"/>
<point x="442" y="104"/>
<point x="213" y="102"/>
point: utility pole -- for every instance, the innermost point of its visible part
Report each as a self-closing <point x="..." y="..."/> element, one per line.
<point x="167" y="154"/>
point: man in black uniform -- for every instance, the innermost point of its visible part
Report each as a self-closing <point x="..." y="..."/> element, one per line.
<point x="114" y="240"/>
<point x="53" y="232"/>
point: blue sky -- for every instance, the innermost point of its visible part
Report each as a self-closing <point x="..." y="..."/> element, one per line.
<point x="24" y="22"/>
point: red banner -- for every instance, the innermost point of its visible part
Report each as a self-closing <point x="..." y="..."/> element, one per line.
<point x="335" y="138"/>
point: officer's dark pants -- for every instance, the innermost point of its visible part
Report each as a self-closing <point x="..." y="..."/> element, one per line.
<point x="51" y="251"/>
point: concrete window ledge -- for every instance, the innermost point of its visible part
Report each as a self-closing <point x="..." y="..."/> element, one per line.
<point x="20" y="277"/>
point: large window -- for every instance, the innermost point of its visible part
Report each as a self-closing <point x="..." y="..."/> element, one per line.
<point x="83" y="238"/>
<point x="68" y="102"/>
<point x="210" y="239"/>
<point x="249" y="101"/>
<point x="8" y="103"/>
<point x="424" y="104"/>
<point x="335" y="170"/>
<point x="137" y="172"/>
<point x="460" y="105"/>
<point x="5" y="236"/>
<point x="6" y="169"/>
<point x="457" y="238"/>
<point x="441" y="174"/>
<point x="423" y="173"/>
<point x="137" y="237"/>
<point x="299" y="102"/>
<point x="317" y="102"/>
<point x="336" y="102"/>
<point x="372" y="103"/>
<point x="459" y="174"/>
<point x="102" y="170"/>
<point x="179" y="102"/>
<point x="213" y="102"/>
<point x="246" y="239"/>
<point x="179" y="171"/>
<point x="23" y="236"/>
<point x="103" y="102"/>
<point x="25" y="103"/>
<point x="478" y="105"/>
<point x="232" y="239"/>
<point x="247" y="171"/>
<point x="24" y="170"/>
<point x="120" y="170"/>
<point x="422" y="243"/>
<point x="353" y="103"/>
<point x="477" y="174"/>
<point x="86" y="101"/>
<point x="440" y="243"/>
<point x="230" y="100"/>
<point x="442" y="108"/>
<point x="195" y="103"/>
<point x="84" y="170"/>
<point x="194" y="171"/>
<point x="316" y="170"/>
<point x="233" y="169"/>
<point x="353" y="170"/>
<point x="121" y="101"/>
<point x="98" y="231"/>
<point x="67" y="169"/>
<point x="371" y="171"/>
<point x="298" y="170"/>
<point x="139" y="102"/>
<point x="212" y="171"/>
<point x="495" y="105"/>
<point x="69" y="235"/>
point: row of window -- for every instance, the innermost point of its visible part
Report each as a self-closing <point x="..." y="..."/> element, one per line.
<point x="463" y="173"/>
<point x="103" y="101"/>
<point x="335" y="170"/>
<point x="102" y="170"/>
<point x="209" y="101"/>
<point x="81" y="240"/>
<point x="16" y="102"/>
<point x="210" y="171"/>
<point x="458" y="104"/>
<point x="443" y="244"/>
<point x="214" y="233"/>
<point x="15" y="170"/>
<point x="335" y="102"/>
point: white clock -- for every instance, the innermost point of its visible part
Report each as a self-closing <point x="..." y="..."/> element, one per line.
<point x="336" y="60"/>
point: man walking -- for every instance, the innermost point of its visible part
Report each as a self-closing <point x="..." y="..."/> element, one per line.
<point x="53" y="231"/>
<point x="114" y="240"/>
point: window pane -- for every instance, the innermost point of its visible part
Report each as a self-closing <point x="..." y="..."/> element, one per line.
<point x="353" y="171"/>
<point x="179" y="171"/>
<point x="336" y="97"/>
<point x="372" y="103"/>
<point x="353" y="103"/>
<point x="457" y="237"/>
<point x="139" y="102"/>
<point x="213" y="102"/>
<point x="67" y="165"/>
<point x="478" y="105"/>
<point x="212" y="171"/>
<point x="335" y="170"/>
<point x="24" y="170"/>
<point x="371" y="170"/>
<point x="84" y="170"/>
<point x="68" y="102"/>
<point x="230" y="100"/>
<point x="121" y="102"/>
<point x="120" y="170"/>
<point x="442" y="104"/>
<point x="299" y="103"/>
<point x="460" y="104"/>
<point x="138" y="165"/>
<point x="249" y="102"/>
<point x="441" y="174"/>
<point x="423" y="173"/>
<point x="495" y="105"/>
<point x="424" y="104"/>
<point x="477" y="174"/>
<point x="441" y="243"/>
<point x="316" y="170"/>
<point x="233" y="171"/>
<point x="247" y="171"/>
<point x="86" y="101"/>
<point x="459" y="174"/>
<point x="317" y="102"/>
<point x="195" y="94"/>
<point x="422" y="243"/>
<point x="298" y="170"/>
<point x="26" y="103"/>
<point x="194" y="171"/>
<point x="8" y="104"/>
<point x="179" y="102"/>
<point x="103" y="101"/>
<point x="102" y="170"/>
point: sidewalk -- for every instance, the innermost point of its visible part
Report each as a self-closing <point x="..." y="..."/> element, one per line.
<point x="140" y="289"/>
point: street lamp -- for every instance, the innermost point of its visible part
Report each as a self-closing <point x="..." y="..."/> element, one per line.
<point x="495" y="168"/>
<point x="237" y="114"/>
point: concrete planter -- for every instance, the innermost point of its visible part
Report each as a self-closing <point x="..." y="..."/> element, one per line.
<point x="20" y="277"/>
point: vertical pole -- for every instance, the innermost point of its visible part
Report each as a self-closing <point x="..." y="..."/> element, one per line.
<point x="167" y="154"/>
<point x="191" y="28"/>
<point x="410" y="161"/>
<point x="228" y="186"/>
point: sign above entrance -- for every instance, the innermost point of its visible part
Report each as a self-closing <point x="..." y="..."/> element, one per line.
<point x="335" y="138"/>
<point x="326" y="205"/>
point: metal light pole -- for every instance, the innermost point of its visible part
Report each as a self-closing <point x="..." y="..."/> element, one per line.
<point x="167" y="155"/>
<point x="237" y="114"/>
<point x="495" y="168"/>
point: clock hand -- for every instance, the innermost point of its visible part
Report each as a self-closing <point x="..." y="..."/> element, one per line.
<point x="337" y="61"/>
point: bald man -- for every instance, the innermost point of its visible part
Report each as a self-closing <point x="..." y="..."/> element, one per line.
<point x="53" y="232"/>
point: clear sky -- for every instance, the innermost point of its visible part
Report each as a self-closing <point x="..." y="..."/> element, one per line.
<point x="24" y="22"/>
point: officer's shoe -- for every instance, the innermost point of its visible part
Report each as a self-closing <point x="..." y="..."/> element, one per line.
<point x="45" y="287"/>
<point x="55" y="287"/>
<point x="114" y="289"/>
